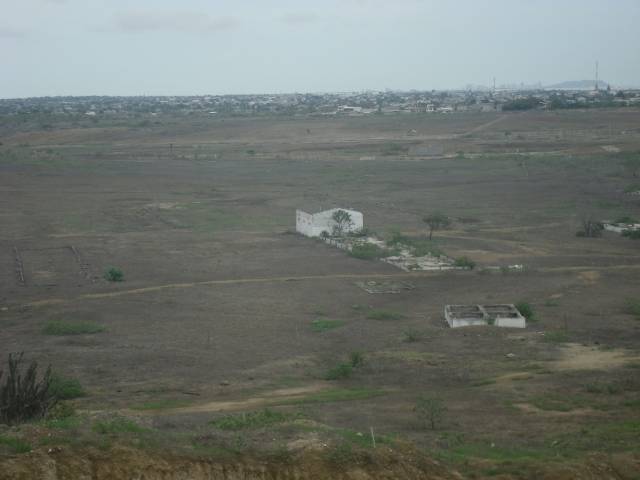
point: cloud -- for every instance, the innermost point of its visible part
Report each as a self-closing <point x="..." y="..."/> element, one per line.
<point x="298" y="18"/>
<point x="176" y="21"/>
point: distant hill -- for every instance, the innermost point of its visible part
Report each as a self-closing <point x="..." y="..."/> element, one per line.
<point x="578" y="85"/>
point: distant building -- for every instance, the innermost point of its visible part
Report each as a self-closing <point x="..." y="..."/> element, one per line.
<point x="312" y="225"/>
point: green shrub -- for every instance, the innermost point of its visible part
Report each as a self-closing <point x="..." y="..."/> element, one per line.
<point x="356" y="359"/>
<point x="66" y="388"/>
<point x="60" y="327"/>
<point x="117" y="425"/>
<point x="339" y="372"/>
<point x="633" y="308"/>
<point x="384" y="315"/>
<point x="18" y="445"/>
<point x="369" y="251"/>
<point x="114" y="274"/>
<point x="419" y="246"/>
<point x="526" y="310"/>
<point x="632" y="234"/>
<point x="556" y="336"/>
<point x="411" y="336"/>
<point x="257" y="419"/>
<point x="465" y="262"/>
<point x="322" y="324"/>
<point x="625" y="219"/>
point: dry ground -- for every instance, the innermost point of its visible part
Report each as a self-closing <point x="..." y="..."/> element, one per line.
<point x="216" y="310"/>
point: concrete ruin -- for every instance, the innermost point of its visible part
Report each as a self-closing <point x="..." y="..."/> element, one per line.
<point x="500" y="315"/>
<point x="313" y="225"/>
<point x="620" y="227"/>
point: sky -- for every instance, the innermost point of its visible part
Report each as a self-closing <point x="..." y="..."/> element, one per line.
<point x="197" y="47"/>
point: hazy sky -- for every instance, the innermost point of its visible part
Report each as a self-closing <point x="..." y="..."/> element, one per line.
<point x="153" y="47"/>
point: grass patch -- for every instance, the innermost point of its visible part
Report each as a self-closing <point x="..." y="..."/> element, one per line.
<point x="384" y="315"/>
<point x="66" y="388"/>
<point x="257" y="419"/>
<point x="339" y="372"/>
<point x="117" y="425"/>
<point x="419" y="246"/>
<point x="338" y="395"/>
<point x="369" y="251"/>
<point x="322" y="324"/>
<point x="556" y="336"/>
<point x="632" y="307"/>
<point x="17" y="445"/>
<point x="66" y="423"/>
<point x="411" y="336"/>
<point x="60" y="327"/>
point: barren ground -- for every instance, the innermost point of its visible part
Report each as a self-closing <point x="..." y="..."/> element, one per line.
<point x="215" y="314"/>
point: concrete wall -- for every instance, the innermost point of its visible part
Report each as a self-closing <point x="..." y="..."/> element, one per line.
<point x="511" y="322"/>
<point x="314" y="225"/>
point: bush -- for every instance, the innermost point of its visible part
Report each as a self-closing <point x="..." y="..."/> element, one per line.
<point x="590" y="229"/>
<point x="356" y="359"/>
<point x="339" y="372"/>
<point x="369" y="251"/>
<point x="322" y="324"/>
<point x="625" y="219"/>
<point x="419" y="246"/>
<point x="114" y="275"/>
<point x="430" y="411"/>
<point x="16" y="444"/>
<point x="632" y="234"/>
<point x="117" y="425"/>
<point x="526" y="310"/>
<point x="410" y="336"/>
<point x="556" y="336"/>
<point x="60" y="327"/>
<point x="465" y="262"/>
<point x="251" y="420"/>
<point x="66" y="388"/>
<point x="22" y="395"/>
<point x="633" y="308"/>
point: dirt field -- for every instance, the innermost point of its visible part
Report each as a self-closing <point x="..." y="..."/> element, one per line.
<point x="215" y="316"/>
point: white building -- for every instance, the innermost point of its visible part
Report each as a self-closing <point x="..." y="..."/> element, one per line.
<point x="312" y="225"/>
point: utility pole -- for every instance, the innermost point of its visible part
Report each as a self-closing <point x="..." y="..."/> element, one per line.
<point x="597" y="87"/>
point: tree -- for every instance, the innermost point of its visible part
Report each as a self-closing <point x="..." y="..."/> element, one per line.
<point x="343" y="222"/>
<point x="430" y="411"/>
<point x="114" y="275"/>
<point x="590" y="228"/>
<point x="436" y="221"/>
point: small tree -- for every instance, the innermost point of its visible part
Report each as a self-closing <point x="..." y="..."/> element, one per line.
<point x="343" y="222"/>
<point x="114" y="275"/>
<point x="590" y="228"/>
<point x="436" y="221"/>
<point x="430" y="411"/>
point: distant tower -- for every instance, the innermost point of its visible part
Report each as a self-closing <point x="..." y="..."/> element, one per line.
<point x="597" y="86"/>
<point x="494" y="84"/>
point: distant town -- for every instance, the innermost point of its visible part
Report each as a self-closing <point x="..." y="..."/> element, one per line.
<point x="352" y="103"/>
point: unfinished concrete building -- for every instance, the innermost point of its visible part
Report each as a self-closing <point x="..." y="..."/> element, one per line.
<point x="312" y="225"/>
<point x="501" y="315"/>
